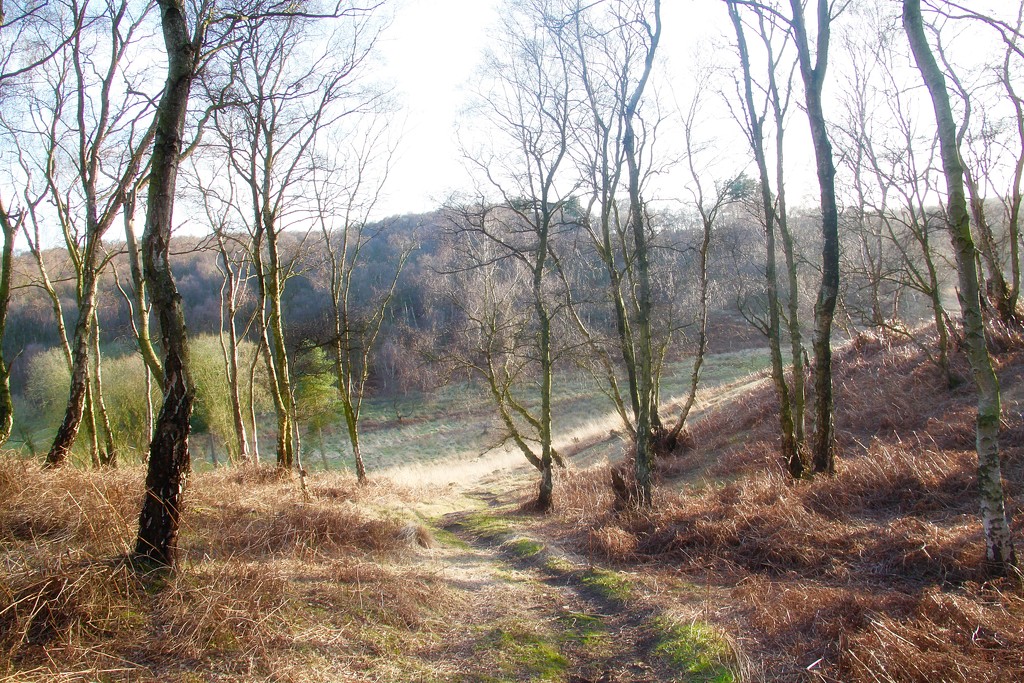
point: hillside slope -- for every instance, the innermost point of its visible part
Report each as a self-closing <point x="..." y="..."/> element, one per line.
<point x="738" y="574"/>
<point x="875" y="575"/>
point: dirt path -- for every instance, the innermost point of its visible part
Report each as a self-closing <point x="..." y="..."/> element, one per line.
<point x="530" y="609"/>
<point x="538" y="612"/>
<point x="588" y="616"/>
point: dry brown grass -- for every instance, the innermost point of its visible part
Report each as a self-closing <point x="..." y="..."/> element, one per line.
<point x="874" y="575"/>
<point x="264" y="571"/>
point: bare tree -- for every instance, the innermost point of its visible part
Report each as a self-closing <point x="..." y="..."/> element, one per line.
<point x="613" y="48"/>
<point x="999" y="541"/>
<point x="708" y="203"/>
<point x="20" y="24"/>
<point x="647" y="417"/>
<point x="812" y="70"/>
<point x="526" y="99"/>
<point x="91" y="146"/>
<point x="133" y="291"/>
<point x="27" y="24"/>
<point x="976" y="140"/>
<point x="233" y="248"/>
<point x="169" y="460"/>
<point x="771" y="211"/>
<point x="493" y="289"/>
<point x="234" y="268"/>
<point x="893" y="171"/>
<point x="345" y="202"/>
<point x="281" y="85"/>
<point x="599" y="158"/>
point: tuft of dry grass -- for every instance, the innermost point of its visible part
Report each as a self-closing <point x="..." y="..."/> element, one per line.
<point x="257" y="560"/>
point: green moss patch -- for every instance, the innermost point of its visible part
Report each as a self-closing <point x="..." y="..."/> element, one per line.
<point x="608" y="584"/>
<point x="558" y="565"/>
<point x="445" y="537"/>
<point x="524" y="547"/>
<point x="696" y="648"/>
<point x="485" y="525"/>
<point x="522" y="655"/>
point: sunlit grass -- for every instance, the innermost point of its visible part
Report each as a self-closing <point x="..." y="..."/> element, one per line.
<point x="458" y="421"/>
<point x="455" y="422"/>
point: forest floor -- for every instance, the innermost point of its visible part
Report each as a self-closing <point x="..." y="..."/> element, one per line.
<point x="440" y="572"/>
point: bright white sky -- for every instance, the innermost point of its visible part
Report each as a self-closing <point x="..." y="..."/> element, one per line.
<point x="434" y="46"/>
<point x="431" y="51"/>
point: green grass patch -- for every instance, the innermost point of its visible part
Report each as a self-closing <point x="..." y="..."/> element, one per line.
<point x="524" y="656"/>
<point x="459" y="418"/>
<point x="719" y="369"/>
<point x="485" y="525"/>
<point x="524" y="547"/>
<point x="608" y="584"/>
<point x="585" y="629"/>
<point x="445" y="537"/>
<point x="696" y="648"/>
<point x="559" y="565"/>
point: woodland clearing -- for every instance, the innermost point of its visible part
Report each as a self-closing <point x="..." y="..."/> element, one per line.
<point x="439" y="573"/>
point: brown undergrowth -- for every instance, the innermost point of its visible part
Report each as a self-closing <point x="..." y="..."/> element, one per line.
<point x="266" y="575"/>
<point x="874" y="575"/>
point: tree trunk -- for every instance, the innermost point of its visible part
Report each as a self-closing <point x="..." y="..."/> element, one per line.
<point x="229" y="329"/>
<point x="169" y="461"/>
<point x="644" y="464"/>
<point x="790" y="452"/>
<point x="89" y="417"/>
<point x="545" y="491"/>
<point x="278" y="354"/>
<point x="253" y="422"/>
<point x="997" y="292"/>
<point x="999" y="542"/>
<point x="109" y="456"/>
<point x="823" y="447"/>
<point x="798" y="392"/>
<point x="544" y="496"/>
<point x="141" y="304"/>
<point x="73" y="413"/>
<point x="6" y="262"/>
<point x="352" y="424"/>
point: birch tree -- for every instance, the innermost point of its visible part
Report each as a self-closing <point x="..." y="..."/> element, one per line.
<point x="613" y="48"/>
<point x="93" y="139"/>
<point x="526" y="99"/>
<point x="281" y="86"/>
<point x="999" y="541"/>
<point x="813" y="68"/>
<point x="772" y="211"/>
<point x="358" y="306"/>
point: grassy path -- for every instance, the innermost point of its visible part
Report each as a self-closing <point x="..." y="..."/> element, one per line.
<point x="530" y="610"/>
<point x="539" y="613"/>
